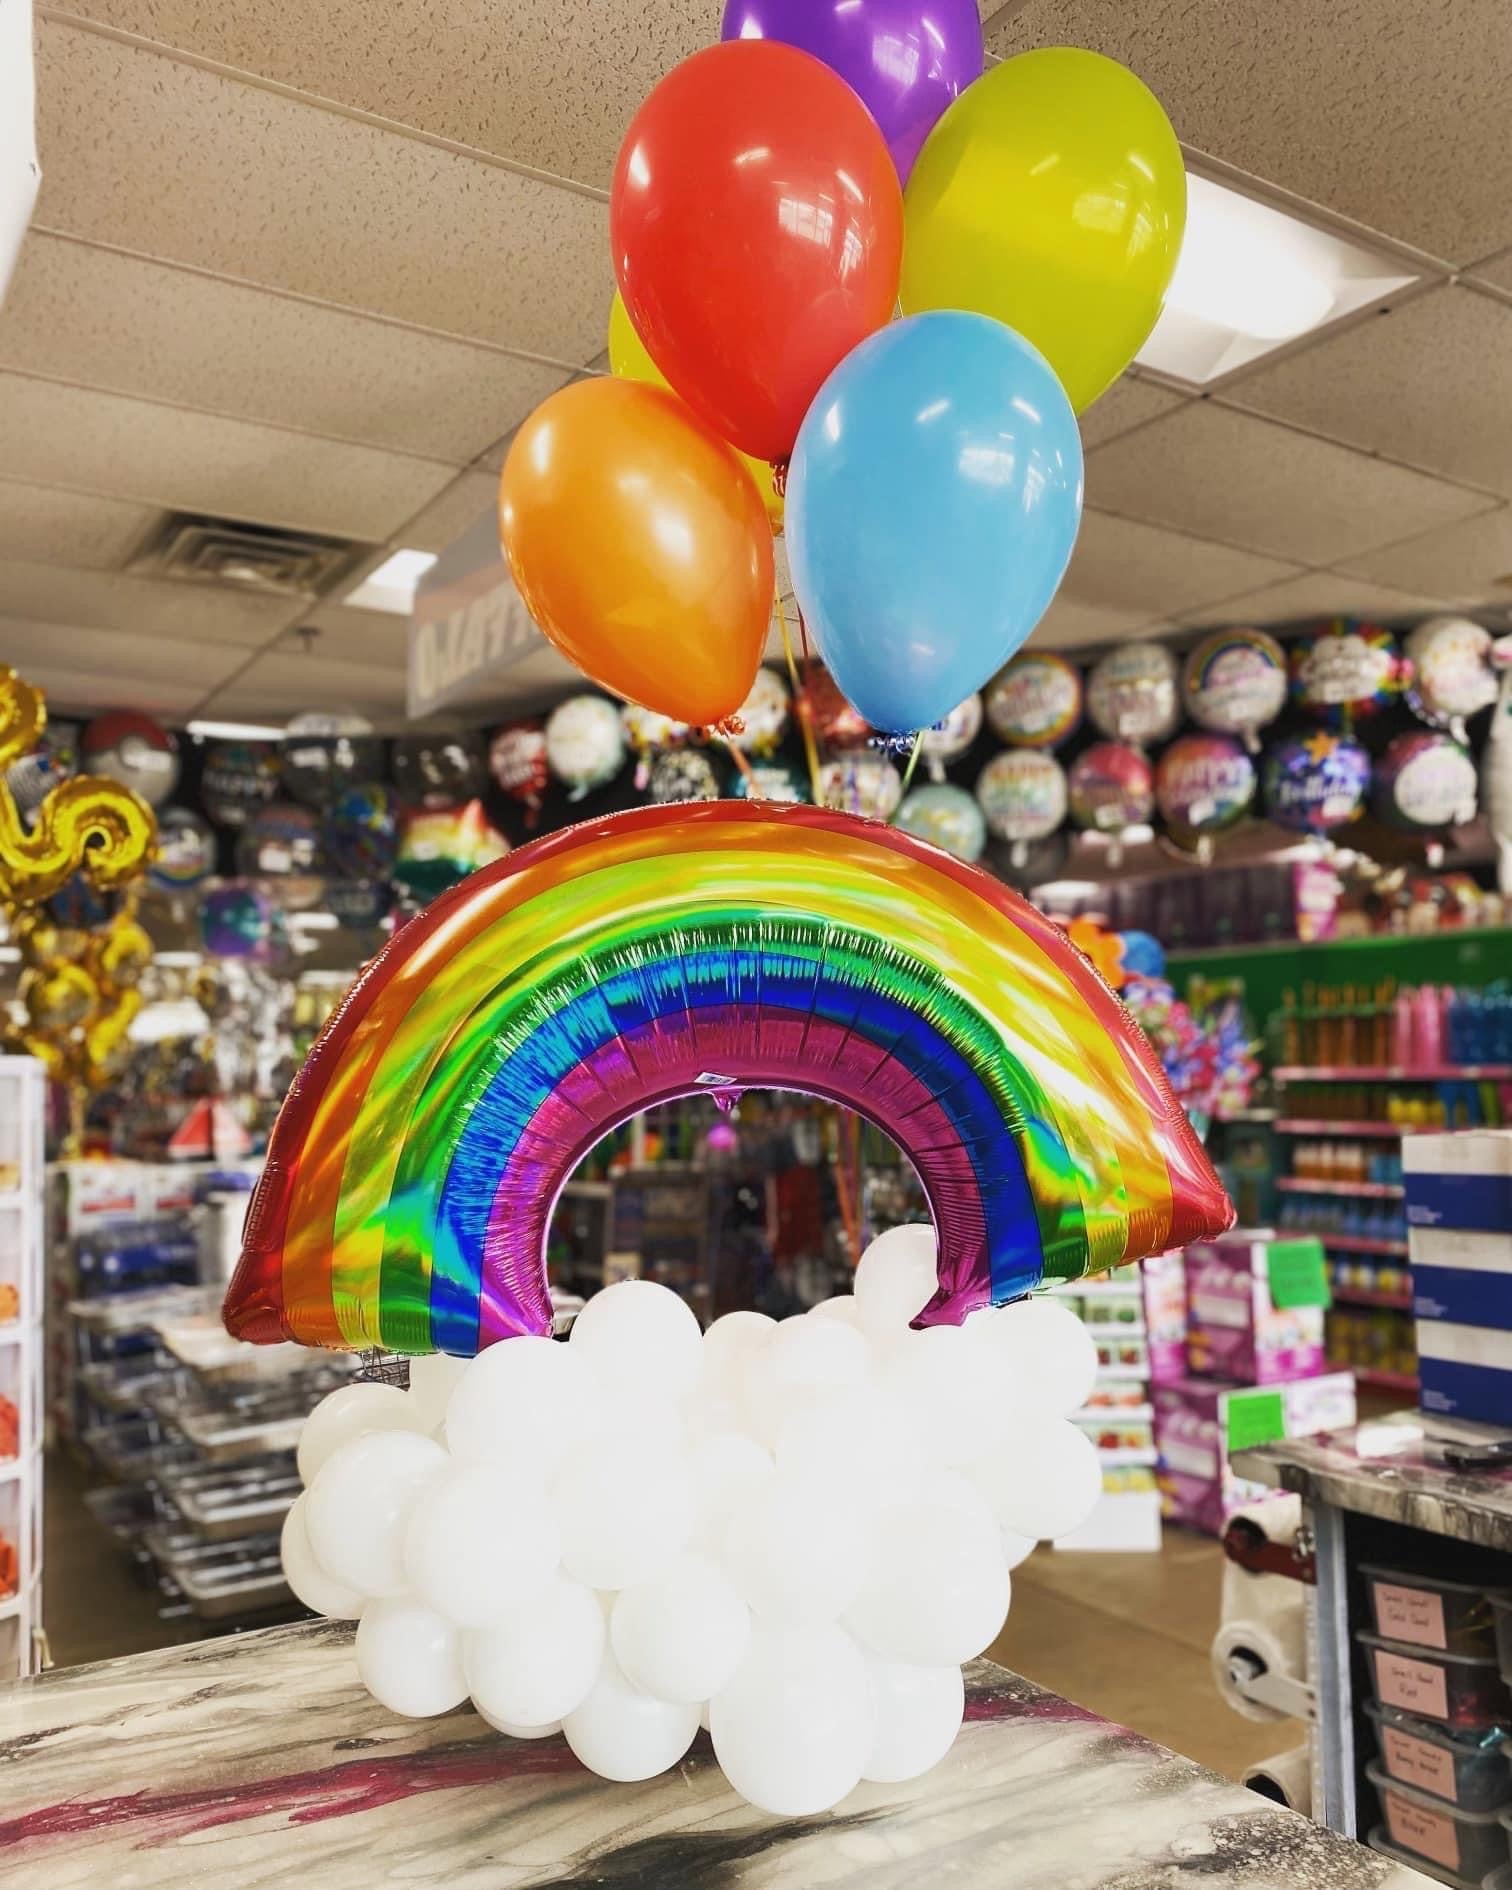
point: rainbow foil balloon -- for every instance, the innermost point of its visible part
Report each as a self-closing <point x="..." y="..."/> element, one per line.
<point x="413" y="1171"/>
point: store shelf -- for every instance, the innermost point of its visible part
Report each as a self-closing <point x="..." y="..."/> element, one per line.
<point x="1387" y="1073"/>
<point x="1119" y="1413"/>
<point x="1352" y="1243"/>
<point x="1307" y="1125"/>
<point x="1358" y="1296"/>
<point x="1383" y="1381"/>
<point x="1369" y="1190"/>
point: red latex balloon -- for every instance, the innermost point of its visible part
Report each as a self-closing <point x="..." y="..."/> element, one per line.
<point x="757" y="230"/>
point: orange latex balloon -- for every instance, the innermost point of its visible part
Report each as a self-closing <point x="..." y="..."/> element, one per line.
<point x="640" y="546"/>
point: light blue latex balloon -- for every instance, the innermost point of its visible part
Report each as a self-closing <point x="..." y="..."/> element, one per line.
<point x="933" y="500"/>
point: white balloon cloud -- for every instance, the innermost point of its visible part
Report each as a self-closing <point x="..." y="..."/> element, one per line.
<point x="792" y="1534"/>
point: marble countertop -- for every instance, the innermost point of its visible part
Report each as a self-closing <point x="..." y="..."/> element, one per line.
<point x="245" y="1763"/>
<point x="1382" y="1469"/>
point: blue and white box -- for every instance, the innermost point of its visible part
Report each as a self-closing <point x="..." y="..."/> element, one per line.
<point x="1459" y="1237"/>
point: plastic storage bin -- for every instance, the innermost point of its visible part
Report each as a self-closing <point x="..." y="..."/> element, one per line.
<point x="1468" y="1843"/>
<point x="1451" y="1617"/>
<point x="1468" y="1770"/>
<point x="1462" y="1690"/>
<point x="1501" y="1615"/>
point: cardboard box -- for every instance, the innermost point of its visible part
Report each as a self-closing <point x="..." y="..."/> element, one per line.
<point x="1459" y="1180"/>
<point x="1459" y="1237"/>
<point x="1165" y="1315"/>
<point x="1199" y="1423"/>
<point x="1235" y="1329"/>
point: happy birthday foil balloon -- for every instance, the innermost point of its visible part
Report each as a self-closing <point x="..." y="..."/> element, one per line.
<point x="1425" y="782"/>
<point x="1111" y="786"/>
<point x="949" y="739"/>
<point x="1452" y="673"/>
<point x="411" y="1175"/>
<point x="1234" y="683"/>
<point x="1035" y="701"/>
<point x="1344" y="671"/>
<point x="84" y="825"/>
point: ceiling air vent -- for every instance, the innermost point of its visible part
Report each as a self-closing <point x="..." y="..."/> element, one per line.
<point x="249" y="557"/>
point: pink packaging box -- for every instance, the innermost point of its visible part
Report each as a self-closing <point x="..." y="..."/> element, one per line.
<point x="1234" y="1329"/>
<point x="1163" y="1278"/>
<point x="1199" y="1423"/>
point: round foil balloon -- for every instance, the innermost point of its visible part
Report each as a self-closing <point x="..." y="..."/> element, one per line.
<point x="683" y="775"/>
<point x="1204" y="783"/>
<point x="1452" y="677"/>
<point x="1234" y="682"/>
<point x="645" y="729"/>
<point x="585" y="743"/>
<point x="362" y="831"/>
<point x="54" y="759"/>
<point x="437" y="770"/>
<point x="1425" y="781"/>
<point x="947" y="741"/>
<point x="236" y="922"/>
<point x="1023" y="794"/>
<point x="134" y="750"/>
<point x="1131" y="694"/>
<point x="185" y="852"/>
<point x="858" y="783"/>
<point x="831" y="717"/>
<point x="948" y="817"/>
<point x="237" y="779"/>
<point x="1316" y="782"/>
<point x="283" y="838"/>
<point x="438" y="846"/>
<point x="1111" y="786"/>
<point x="517" y="761"/>
<point x="358" y="904"/>
<point x="763" y="715"/>
<point x="771" y="781"/>
<point x="1345" y="671"/>
<point x="1035" y="701"/>
<point x="323" y="754"/>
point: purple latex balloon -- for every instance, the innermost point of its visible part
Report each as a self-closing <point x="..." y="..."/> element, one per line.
<point x="906" y="58"/>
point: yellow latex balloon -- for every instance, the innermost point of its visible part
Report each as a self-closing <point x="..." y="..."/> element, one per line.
<point x="1052" y="196"/>
<point x="629" y="360"/>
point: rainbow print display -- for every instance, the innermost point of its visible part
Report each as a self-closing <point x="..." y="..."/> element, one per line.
<point x="413" y="1170"/>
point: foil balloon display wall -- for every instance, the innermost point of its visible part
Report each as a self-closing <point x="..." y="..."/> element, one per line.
<point x="411" y="1176"/>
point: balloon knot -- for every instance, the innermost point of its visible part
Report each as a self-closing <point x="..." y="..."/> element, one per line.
<point x="728" y="728"/>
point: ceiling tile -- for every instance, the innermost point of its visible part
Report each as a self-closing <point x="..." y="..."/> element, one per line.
<point x="1318" y="594"/>
<point x="166" y="159"/>
<point x="78" y="692"/>
<point x="146" y="607"/>
<point x="137" y="450"/>
<point x="1429" y="383"/>
<point x="344" y="634"/>
<point x="450" y="514"/>
<point x="119" y="663"/>
<point x="1461" y="561"/>
<point x="282" y="683"/>
<point x="77" y="313"/>
<point x="1128" y="403"/>
<point x="1122" y="565"/>
<point x="1225" y="475"/>
<point x="1496" y="271"/>
<point x="1069" y="625"/>
<point x="1395" y="117"/>
<point x="51" y="526"/>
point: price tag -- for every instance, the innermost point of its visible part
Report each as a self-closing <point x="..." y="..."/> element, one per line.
<point x="1297" y="1274"/>
<point x="1254" y="1418"/>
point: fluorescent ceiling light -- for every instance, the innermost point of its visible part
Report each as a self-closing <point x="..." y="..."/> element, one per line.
<point x="392" y="586"/>
<point x="1251" y="277"/>
<point x="236" y="731"/>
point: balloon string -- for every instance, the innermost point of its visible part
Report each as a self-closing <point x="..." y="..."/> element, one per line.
<point x="800" y="703"/>
<point x="908" y="775"/>
<point x="748" y="774"/>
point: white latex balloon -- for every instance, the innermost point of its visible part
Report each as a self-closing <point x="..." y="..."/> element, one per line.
<point x="896" y="1279"/>
<point x="842" y="1306"/>
<point x="348" y="1413"/>
<point x="409" y="1659"/>
<point x="795" y="1725"/>
<point x="855" y="1439"/>
<point x="1044" y="1356"/>
<point x="640" y="1340"/>
<point x="516" y="1731"/>
<point x="937" y="1590"/>
<point x="682" y="1635"/>
<point x="728" y="1467"/>
<point x="304" y="1574"/>
<point x="804" y="1359"/>
<point x="1016" y="1548"/>
<point x="538" y="1664"/>
<point x="730" y="1342"/>
<point x="432" y="1380"/>
<point x="1046" y="1481"/>
<point x="797" y="1550"/>
<point x="523" y="1402"/>
<point x="919" y="1713"/>
<point x="359" y="1507"/>
<point x="625" y="1510"/>
<point x="625" y="1734"/>
<point x="943" y="1383"/>
<point x="479" y="1543"/>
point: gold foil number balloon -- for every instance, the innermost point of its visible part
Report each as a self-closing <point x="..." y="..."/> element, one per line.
<point x="86" y="825"/>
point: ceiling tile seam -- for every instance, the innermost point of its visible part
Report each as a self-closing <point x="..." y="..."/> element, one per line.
<point x="1490" y="291"/>
<point x="1186" y="398"/>
<point x="1341" y="569"/>
<point x="29" y="622"/>
<point x="236" y="419"/>
<point x="351" y="310"/>
<point x="1232" y="404"/>
<point x="317" y="101"/>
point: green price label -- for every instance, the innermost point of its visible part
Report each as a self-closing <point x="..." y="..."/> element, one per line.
<point x="1254" y="1418"/>
<point x="1298" y="1274"/>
